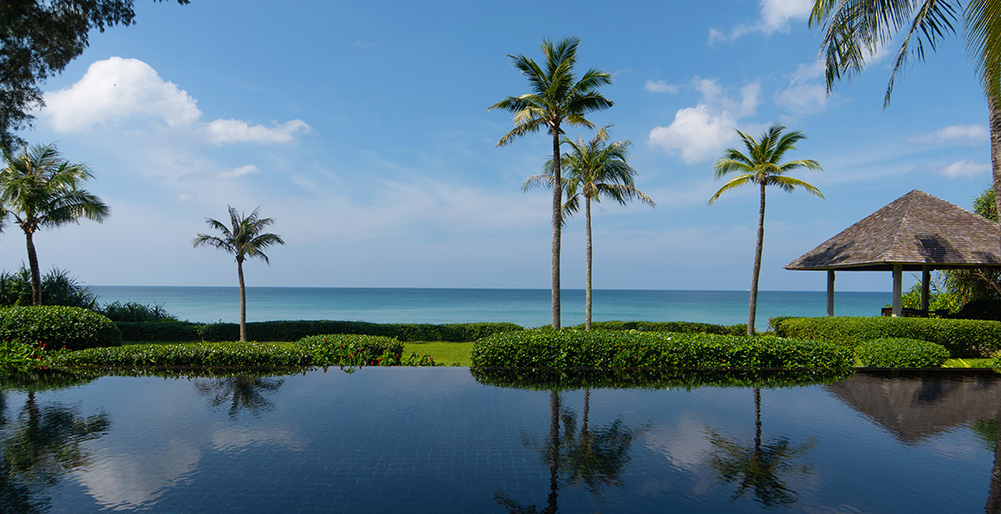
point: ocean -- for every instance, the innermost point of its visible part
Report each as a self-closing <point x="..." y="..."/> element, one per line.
<point x="525" y="307"/>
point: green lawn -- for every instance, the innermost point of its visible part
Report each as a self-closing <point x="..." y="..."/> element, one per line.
<point x="443" y="352"/>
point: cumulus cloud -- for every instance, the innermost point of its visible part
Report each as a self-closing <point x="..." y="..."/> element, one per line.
<point x="775" y="17"/>
<point x="700" y="133"/>
<point x="660" y="86"/>
<point x="967" y="135"/>
<point x="117" y="90"/>
<point x="964" y="169"/>
<point x="806" y="93"/>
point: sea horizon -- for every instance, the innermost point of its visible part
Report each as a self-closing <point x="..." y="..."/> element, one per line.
<point x="525" y="307"/>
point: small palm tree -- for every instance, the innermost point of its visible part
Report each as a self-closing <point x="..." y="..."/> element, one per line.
<point x="39" y="189"/>
<point x="557" y="97"/>
<point x="761" y="166"/>
<point x="245" y="239"/>
<point x="594" y="170"/>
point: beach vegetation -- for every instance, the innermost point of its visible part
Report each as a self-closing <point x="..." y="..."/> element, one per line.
<point x="684" y="327"/>
<point x="246" y="239"/>
<point x="58" y="288"/>
<point x="900" y="352"/>
<point x="566" y="379"/>
<point x="762" y="166"/>
<point x="977" y="290"/>
<point x="56" y="327"/>
<point x="960" y="337"/>
<point x="570" y="348"/>
<point x="38" y="189"/>
<point x="556" y="98"/>
<point x="136" y="312"/>
<point x="595" y="170"/>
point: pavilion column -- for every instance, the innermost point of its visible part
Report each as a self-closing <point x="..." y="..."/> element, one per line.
<point x="830" y="292"/>
<point x="898" y="272"/>
<point x="925" y="287"/>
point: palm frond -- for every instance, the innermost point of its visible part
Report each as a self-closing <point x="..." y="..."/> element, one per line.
<point x="734" y="182"/>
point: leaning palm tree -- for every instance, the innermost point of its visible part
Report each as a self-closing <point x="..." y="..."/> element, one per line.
<point x="245" y="239"/>
<point x="557" y="97"/>
<point x="761" y="166"/>
<point x="594" y="170"/>
<point x="40" y="189"/>
<point x="855" y="30"/>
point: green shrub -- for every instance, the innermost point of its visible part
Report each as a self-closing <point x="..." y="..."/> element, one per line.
<point x="563" y="379"/>
<point x="352" y="350"/>
<point x="570" y="348"/>
<point x="960" y="337"/>
<point x="58" y="288"/>
<point x="159" y="331"/>
<point x="295" y="330"/>
<point x="56" y="327"/>
<point x="681" y="327"/>
<point x="136" y="312"/>
<point x="899" y="352"/>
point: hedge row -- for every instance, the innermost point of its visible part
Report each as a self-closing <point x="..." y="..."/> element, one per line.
<point x="570" y="348"/>
<point x="54" y="327"/>
<point x="565" y="379"/>
<point x="330" y="350"/>
<point x="681" y="327"/>
<point x="960" y="337"/>
<point x="295" y="330"/>
<point x="899" y="352"/>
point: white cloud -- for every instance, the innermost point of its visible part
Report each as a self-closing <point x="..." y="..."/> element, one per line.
<point x="117" y="90"/>
<point x="775" y="17"/>
<point x="806" y="93"/>
<point x="700" y="133"/>
<point x="964" y="169"/>
<point x="968" y="135"/>
<point x="242" y="170"/>
<point x="660" y="86"/>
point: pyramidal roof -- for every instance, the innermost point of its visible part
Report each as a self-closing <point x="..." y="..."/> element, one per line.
<point x="914" y="230"/>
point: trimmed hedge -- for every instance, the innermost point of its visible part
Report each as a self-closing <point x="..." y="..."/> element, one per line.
<point x="54" y="327"/>
<point x="960" y="337"/>
<point x="295" y="330"/>
<point x="899" y="352"/>
<point x="562" y="379"/>
<point x="681" y="327"/>
<point x="570" y="348"/>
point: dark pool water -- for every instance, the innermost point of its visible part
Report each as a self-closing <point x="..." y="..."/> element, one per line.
<point x="436" y="440"/>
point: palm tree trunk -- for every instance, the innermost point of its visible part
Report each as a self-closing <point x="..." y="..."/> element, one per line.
<point x="36" y="276"/>
<point x="757" y="422"/>
<point x="554" y="451"/>
<point x="995" y="123"/>
<point x="557" y="226"/>
<point x="587" y="279"/>
<point x="243" y="302"/>
<point x="757" y="264"/>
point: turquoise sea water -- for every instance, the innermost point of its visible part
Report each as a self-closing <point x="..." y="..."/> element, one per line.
<point x="526" y="307"/>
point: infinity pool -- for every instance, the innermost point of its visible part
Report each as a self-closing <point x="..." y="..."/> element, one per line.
<point x="437" y="440"/>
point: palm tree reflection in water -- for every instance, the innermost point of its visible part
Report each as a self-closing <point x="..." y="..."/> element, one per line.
<point x="759" y="466"/>
<point x="240" y="393"/>
<point x="593" y="458"/>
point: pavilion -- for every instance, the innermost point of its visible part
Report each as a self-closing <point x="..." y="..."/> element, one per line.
<point x="916" y="232"/>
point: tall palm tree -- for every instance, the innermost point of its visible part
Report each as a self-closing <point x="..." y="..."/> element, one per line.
<point x="594" y="170"/>
<point x="556" y="97"/>
<point x="246" y="239"/>
<point x="854" y="30"/>
<point x="40" y="189"/>
<point x="762" y="166"/>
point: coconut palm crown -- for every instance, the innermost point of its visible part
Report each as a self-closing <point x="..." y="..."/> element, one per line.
<point x="762" y="166"/>
<point x="39" y="189"/>
<point x="595" y="170"/>
<point x="557" y="97"/>
<point x="244" y="240"/>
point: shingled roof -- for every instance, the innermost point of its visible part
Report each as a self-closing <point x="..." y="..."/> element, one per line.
<point x="914" y="230"/>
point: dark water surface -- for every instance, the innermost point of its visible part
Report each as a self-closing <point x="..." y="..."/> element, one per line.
<point x="436" y="440"/>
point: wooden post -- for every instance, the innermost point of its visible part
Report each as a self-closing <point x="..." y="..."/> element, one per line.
<point x="898" y="271"/>
<point x="830" y="292"/>
<point x="925" y="288"/>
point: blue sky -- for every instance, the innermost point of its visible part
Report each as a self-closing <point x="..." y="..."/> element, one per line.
<point x="362" y="128"/>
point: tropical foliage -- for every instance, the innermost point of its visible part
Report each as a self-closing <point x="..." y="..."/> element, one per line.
<point x="58" y="288"/>
<point x="557" y="97"/>
<point x="762" y="166"/>
<point x="41" y="190"/>
<point x="246" y="239"/>
<point x="595" y="170"/>
<point x="55" y="327"/>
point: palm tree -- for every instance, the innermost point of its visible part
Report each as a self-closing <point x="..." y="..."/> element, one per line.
<point x="557" y="97"/>
<point x="594" y="170"/>
<point x="855" y="30"/>
<point x="761" y="166"/>
<point x="245" y="239"/>
<point x="39" y="189"/>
